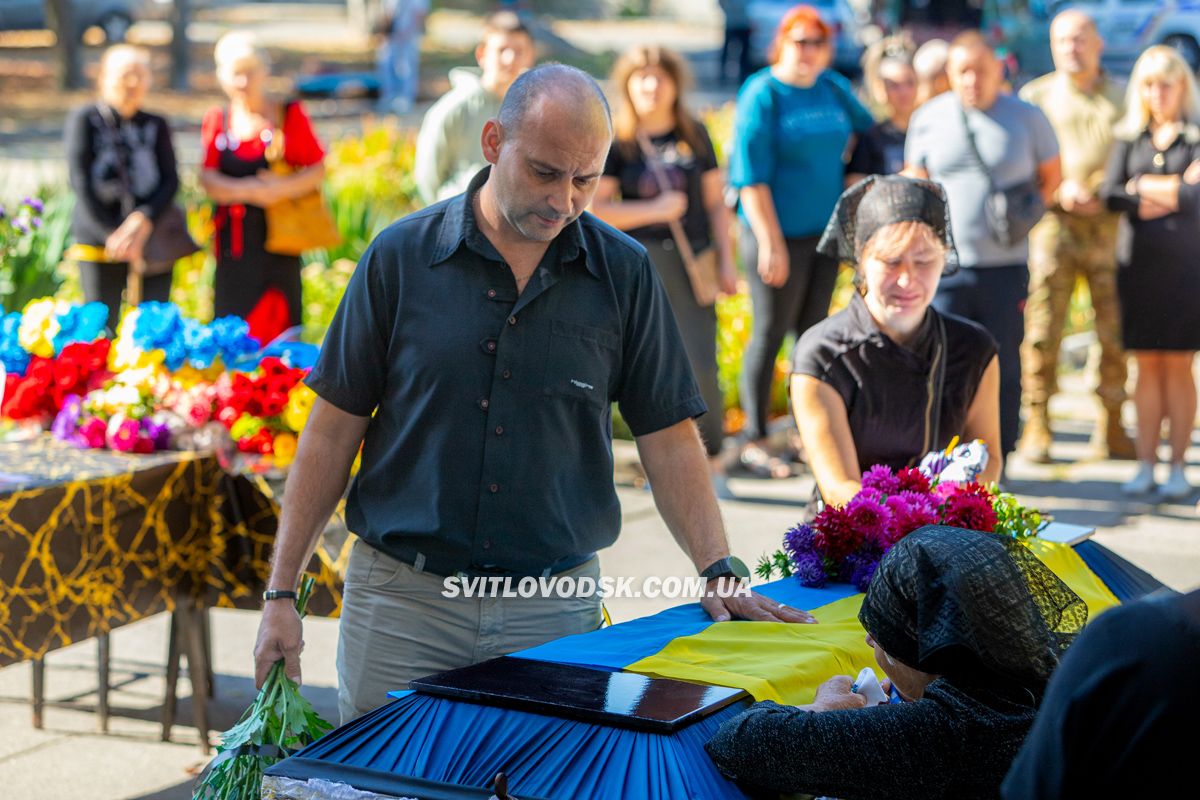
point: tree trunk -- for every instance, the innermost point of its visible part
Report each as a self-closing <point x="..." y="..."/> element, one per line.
<point x="181" y="14"/>
<point x="61" y="20"/>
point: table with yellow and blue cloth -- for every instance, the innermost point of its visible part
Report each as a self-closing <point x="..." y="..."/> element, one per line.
<point x="433" y="747"/>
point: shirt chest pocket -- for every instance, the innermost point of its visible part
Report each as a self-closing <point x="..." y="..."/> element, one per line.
<point x="580" y="362"/>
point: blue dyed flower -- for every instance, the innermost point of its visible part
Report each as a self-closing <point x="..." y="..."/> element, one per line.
<point x="233" y="339"/>
<point x="80" y="324"/>
<point x="200" y="343"/>
<point x="12" y="354"/>
<point x="157" y="324"/>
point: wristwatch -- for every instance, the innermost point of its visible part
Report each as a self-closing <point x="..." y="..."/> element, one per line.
<point x="279" y="594"/>
<point x="728" y="567"/>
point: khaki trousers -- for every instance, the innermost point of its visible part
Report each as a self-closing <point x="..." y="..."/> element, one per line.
<point x="1063" y="248"/>
<point x="397" y="626"/>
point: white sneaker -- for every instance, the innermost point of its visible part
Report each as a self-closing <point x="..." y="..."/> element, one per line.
<point x="1142" y="482"/>
<point x="1177" y="486"/>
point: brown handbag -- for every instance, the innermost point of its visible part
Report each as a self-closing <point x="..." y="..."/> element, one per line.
<point x="703" y="269"/>
<point x="301" y="223"/>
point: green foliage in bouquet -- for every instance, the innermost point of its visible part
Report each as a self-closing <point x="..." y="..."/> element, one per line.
<point x="34" y="234"/>
<point x="1014" y="519"/>
<point x="280" y="721"/>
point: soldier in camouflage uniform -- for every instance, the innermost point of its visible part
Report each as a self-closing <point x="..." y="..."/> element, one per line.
<point x="1076" y="239"/>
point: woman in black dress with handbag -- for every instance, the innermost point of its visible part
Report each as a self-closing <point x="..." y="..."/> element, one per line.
<point x="240" y="142"/>
<point x="1153" y="177"/>
<point x="121" y="166"/>
<point x="655" y="137"/>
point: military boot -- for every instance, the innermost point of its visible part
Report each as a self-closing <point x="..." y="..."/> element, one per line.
<point x="1109" y="439"/>
<point x="1036" y="437"/>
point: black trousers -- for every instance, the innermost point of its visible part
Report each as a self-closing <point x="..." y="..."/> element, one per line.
<point x="995" y="298"/>
<point x="698" y="327"/>
<point x="105" y="283"/>
<point x="792" y="308"/>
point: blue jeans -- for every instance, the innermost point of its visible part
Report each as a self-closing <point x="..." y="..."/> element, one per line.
<point x="398" y="63"/>
<point x="995" y="298"/>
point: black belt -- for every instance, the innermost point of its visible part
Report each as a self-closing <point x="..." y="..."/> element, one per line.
<point x="445" y="568"/>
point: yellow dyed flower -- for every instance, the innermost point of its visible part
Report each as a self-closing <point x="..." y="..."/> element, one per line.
<point x="39" y="326"/>
<point x="285" y="449"/>
<point x="299" y="406"/>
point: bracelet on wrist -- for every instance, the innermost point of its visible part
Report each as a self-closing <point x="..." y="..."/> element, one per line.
<point x="280" y="594"/>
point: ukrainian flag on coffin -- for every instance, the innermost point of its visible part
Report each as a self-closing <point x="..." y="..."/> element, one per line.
<point x="770" y="660"/>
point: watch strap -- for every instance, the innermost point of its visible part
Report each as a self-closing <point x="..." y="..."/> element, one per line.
<point x="280" y="594"/>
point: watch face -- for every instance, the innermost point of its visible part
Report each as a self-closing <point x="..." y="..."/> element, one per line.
<point x="738" y="567"/>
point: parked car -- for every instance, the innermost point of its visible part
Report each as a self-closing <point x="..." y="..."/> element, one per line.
<point x="1128" y="27"/>
<point x="113" y="17"/>
<point x="847" y="25"/>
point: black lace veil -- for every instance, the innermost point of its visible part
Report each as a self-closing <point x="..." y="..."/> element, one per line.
<point x="880" y="200"/>
<point x="973" y="606"/>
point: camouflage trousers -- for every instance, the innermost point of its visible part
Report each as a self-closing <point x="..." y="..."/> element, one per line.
<point x="1063" y="248"/>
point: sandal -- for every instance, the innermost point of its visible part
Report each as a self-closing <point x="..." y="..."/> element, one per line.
<point x="761" y="464"/>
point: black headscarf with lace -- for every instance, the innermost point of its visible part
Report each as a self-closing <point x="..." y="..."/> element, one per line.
<point x="881" y="200"/>
<point x="972" y="607"/>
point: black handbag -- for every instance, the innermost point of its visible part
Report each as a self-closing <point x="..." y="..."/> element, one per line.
<point x="1010" y="213"/>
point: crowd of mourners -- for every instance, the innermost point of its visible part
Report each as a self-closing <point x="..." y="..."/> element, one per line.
<point x="967" y="211"/>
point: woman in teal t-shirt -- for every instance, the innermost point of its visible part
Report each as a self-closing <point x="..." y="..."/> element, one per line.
<point x="794" y="124"/>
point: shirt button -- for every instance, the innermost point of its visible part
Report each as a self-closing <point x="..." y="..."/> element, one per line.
<point x="491" y="293"/>
<point x="512" y="320"/>
<point x="491" y="347"/>
<point x="499" y="430"/>
<point x="487" y="544"/>
<point x="495" y="487"/>
<point x="506" y="374"/>
<point x="484" y="404"/>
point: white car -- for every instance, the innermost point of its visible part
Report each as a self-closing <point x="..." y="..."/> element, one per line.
<point x="765" y="16"/>
<point x="1128" y="27"/>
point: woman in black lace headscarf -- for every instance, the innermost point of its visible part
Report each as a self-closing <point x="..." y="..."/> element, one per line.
<point x="968" y="627"/>
<point x="888" y="379"/>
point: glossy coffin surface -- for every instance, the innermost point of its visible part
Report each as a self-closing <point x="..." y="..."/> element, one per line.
<point x="563" y="690"/>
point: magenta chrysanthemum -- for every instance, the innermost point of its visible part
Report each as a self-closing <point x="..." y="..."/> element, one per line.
<point x="869" y="518"/>
<point x="880" y="477"/>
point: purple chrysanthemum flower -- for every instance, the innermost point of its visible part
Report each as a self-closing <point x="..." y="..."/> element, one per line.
<point x="799" y="541"/>
<point x="864" y="571"/>
<point x="882" y="478"/>
<point x="810" y="571"/>
<point x="34" y="203"/>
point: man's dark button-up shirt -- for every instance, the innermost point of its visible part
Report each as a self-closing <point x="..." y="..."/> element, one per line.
<point x="490" y="445"/>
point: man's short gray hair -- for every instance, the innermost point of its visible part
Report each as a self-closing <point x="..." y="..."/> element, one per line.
<point x="548" y="80"/>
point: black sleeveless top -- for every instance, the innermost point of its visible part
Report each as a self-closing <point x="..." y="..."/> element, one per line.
<point x="887" y="387"/>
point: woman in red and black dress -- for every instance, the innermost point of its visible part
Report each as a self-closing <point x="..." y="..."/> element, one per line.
<point x="250" y="282"/>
